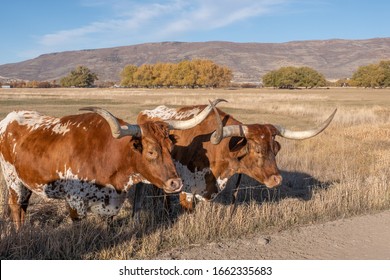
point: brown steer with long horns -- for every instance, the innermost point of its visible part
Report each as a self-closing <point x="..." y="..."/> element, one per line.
<point x="205" y="159"/>
<point x="90" y="160"/>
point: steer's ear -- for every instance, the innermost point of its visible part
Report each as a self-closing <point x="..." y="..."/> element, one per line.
<point x="238" y="146"/>
<point x="173" y="138"/>
<point x="137" y="144"/>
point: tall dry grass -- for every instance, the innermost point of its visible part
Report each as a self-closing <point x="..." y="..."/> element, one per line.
<point x="341" y="173"/>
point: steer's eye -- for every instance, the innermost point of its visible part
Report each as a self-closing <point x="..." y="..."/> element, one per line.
<point x="151" y="154"/>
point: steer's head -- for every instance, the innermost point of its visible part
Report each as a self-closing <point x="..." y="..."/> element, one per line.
<point x="254" y="147"/>
<point x="151" y="146"/>
<point x="155" y="162"/>
<point x="256" y="152"/>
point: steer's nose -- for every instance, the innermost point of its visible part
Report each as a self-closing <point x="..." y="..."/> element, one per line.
<point x="274" y="181"/>
<point x="173" y="185"/>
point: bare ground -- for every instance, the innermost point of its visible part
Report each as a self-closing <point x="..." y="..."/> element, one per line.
<point x="363" y="237"/>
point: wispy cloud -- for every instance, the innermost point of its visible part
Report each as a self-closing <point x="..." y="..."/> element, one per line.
<point x="210" y="15"/>
<point x="133" y="22"/>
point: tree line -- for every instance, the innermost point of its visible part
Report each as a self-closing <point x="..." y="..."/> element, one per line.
<point x="375" y="75"/>
<point x="205" y="73"/>
<point x="194" y="73"/>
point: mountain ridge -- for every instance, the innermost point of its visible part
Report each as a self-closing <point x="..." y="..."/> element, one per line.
<point x="335" y="58"/>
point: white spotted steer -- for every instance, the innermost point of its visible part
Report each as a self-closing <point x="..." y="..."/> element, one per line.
<point x="90" y="160"/>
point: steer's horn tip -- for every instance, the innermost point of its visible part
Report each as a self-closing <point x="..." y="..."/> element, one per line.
<point x="91" y="108"/>
<point x="214" y="139"/>
<point x="301" y="135"/>
<point x="216" y="101"/>
<point x="330" y="118"/>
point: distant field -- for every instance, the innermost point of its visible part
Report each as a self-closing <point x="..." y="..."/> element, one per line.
<point x="345" y="171"/>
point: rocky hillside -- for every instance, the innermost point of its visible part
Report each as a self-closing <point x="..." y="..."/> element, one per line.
<point x="249" y="61"/>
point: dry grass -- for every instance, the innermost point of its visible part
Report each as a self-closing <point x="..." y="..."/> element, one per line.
<point x="345" y="171"/>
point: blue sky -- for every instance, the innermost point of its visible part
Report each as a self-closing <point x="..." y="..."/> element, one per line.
<point x="31" y="28"/>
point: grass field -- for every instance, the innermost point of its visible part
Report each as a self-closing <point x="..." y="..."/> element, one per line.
<point x="345" y="171"/>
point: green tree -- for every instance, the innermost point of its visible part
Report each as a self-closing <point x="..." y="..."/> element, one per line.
<point x="81" y="76"/>
<point x="290" y="77"/>
<point x="372" y="75"/>
<point x="271" y="79"/>
<point x="308" y="77"/>
<point x="385" y="66"/>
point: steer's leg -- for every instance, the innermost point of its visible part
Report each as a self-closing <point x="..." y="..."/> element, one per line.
<point x="18" y="197"/>
<point x="15" y="208"/>
<point x="24" y="202"/>
<point x="18" y="194"/>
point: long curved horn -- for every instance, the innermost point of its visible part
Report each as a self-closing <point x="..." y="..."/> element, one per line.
<point x="223" y="132"/>
<point x="242" y="130"/>
<point x="180" y="125"/>
<point x="217" y="136"/>
<point x="305" y="134"/>
<point x="229" y="131"/>
<point x="117" y="130"/>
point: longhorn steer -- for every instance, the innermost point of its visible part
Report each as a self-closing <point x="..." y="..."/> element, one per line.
<point x="205" y="159"/>
<point x="90" y="160"/>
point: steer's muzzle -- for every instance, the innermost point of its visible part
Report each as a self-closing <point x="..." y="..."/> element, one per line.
<point x="173" y="185"/>
<point x="273" y="181"/>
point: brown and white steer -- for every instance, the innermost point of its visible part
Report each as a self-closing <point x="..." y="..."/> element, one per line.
<point x="90" y="160"/>
<point x="205" y="159"/>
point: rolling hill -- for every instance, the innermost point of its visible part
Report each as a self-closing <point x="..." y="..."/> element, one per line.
<point x="248" y="61"/>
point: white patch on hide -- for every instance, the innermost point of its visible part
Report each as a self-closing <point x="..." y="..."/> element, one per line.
<point x="12" y="180"/>
<point x="135" y="179"/>
<point x="193" y="182"/>
<point x="34" y="120"/>
<point x="199" y="197"/>
<point x="164" y="113"/>
<point x="60" y="128"/>
<point x="221" y="183"/>
<point x="82" y="194"/>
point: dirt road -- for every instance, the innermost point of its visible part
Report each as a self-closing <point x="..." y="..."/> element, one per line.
<point x="364" y="237"/>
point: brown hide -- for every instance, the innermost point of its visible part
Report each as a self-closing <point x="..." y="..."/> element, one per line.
<point x="78" y="155"/>
<point x="90" y="151"/>
<point x="253" y="155"/>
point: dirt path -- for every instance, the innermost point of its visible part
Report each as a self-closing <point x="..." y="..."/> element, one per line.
<point x="365" y="237"/>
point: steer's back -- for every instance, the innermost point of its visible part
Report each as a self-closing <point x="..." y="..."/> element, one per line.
<point x="41" y="147"/>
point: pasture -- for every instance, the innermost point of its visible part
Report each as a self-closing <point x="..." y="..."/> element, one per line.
<point x="343" y="172"/>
